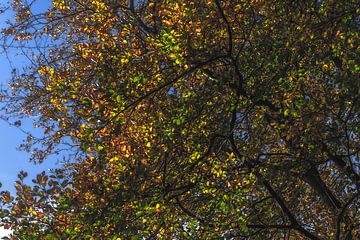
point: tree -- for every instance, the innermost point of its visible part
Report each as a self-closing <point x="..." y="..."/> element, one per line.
<point x="190" y="119"/>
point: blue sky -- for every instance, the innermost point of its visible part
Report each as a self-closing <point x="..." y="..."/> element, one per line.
<point x="12" y="161"/>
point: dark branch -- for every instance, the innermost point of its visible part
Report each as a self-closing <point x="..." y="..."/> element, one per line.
<point x="228" y="27"/>
<point x="184" y="209"/>
<point x="281" y="202"/>
<point x="260" y="226"/>
<point x="342" y="213"/>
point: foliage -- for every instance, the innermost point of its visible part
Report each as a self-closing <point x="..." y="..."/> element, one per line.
<point x="200" y="119"/>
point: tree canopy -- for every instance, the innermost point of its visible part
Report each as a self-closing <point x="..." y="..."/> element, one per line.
<point x="191" y="119"/>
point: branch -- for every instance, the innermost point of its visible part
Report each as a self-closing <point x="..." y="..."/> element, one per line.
<point x="132" y="10"/>
<point x="185" y="210"/>
<point x="228" y="27"/>
<point x="185" y="73"/>
<point x="138" y="19"/>
<point x="281" y="202"/>
<point x="182" y="189"/>
<point x="340" y="163"/>
<point x="341" y="215"/>
<point x="169" y="83"/>
<point x="270" y="226"/>
<point x="208" y="152"/>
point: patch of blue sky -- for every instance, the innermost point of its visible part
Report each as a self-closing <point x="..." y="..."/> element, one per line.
<point x="11" y="159"/>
